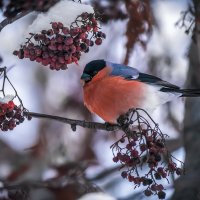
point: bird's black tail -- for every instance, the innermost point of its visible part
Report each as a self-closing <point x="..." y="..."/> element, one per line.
<point x="184" y="92"/>
<point x="190" y="92"/>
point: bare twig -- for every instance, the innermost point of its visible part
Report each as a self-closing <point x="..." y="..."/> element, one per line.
<point x="8" y="21"/>
<point x="51" y="184"/>
<point x="74" y="123"/>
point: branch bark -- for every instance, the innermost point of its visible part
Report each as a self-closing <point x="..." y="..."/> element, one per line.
<point x="74" y="122"/>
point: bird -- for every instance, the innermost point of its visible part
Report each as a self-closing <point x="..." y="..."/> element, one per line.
<point x="111" y="90"/>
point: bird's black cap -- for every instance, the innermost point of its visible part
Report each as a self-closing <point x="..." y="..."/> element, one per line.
<point x="92" y="68"/>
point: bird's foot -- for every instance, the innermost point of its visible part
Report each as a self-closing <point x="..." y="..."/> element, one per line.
<point x="123" y="119"/>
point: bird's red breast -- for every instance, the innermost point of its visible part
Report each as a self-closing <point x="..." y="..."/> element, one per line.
<point x="111" y="96"/>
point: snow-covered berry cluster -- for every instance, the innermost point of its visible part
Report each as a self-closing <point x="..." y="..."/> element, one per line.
<point x="14" y="7"/>
<point x="11" y="115"/>
<point x="60" y="45"/>
<point x="145" y="146"/>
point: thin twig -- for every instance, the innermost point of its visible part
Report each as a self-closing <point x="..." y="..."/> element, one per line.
<point x="74" y="123"/>
<point x="54" y="184"/>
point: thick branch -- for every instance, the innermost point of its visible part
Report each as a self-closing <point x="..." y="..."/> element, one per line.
<point x="7" y="21"/>
<point x="74" y="123"/>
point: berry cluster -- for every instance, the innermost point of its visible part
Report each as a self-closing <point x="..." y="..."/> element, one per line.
<point x="11" y="115"/>
<point x="144" y="145"/>
<point x="16" y="6"/>
<point x="60" y="45"/>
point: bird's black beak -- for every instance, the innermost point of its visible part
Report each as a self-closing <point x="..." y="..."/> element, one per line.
<point x="85" y="78"/>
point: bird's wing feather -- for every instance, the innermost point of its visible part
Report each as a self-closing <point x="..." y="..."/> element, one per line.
<point x="150" y="79"/>
<point x="123" y="71"/>
<point x="130" y="73"/>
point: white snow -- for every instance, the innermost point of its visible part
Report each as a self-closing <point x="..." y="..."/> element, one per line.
<point x="96" y="196"/>
<point x="64" y="11"/>
<point x="49" y="174"/>
<point x="6" y="99"/>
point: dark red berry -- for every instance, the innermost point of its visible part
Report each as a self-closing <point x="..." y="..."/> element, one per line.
<point x="161" y="195"/>
<point x="148" y="193"/>
<point x="157" y="176"/>
<point x="179" y="171"/>
<point x="60" y="25"/>
<point x="54" y="25"/>
<point x="65" y="30"/>
<point x="124" y="174"/>
<point x="98" y="41"/>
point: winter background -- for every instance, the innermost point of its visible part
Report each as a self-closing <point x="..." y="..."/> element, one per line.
<point x="50" y="92"/>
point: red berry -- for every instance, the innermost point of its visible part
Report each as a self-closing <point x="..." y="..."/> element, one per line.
<point x="124" y="174"/>
<point x="65" y="48"/>
<point x="98" y="41"/>
<point x="143" y="147"/>
<point x="54" y="25"/>
<point x="154" y="187"/>
<point x="82" y="36"/>
<point x="60" y="25"/>
<point x="38" y="52"/>
<point x="52" y="47"/>
<point x="56" y="31"/>
<point x="63" y="67"/>
<point x="45" y="62"/>
<point x="61" y="60"/>
<point x="84" y="15"/>
<point x="60" y="47"/>
<point x="129" y="146"/>
<point x="69" y="41"/>
<point x="148" y="193"/>
<point x="161" y="195"/>
<point x="134" y="153"/>
<point x="68" y="61"/>
<point x="38" y="59"/>
<point x="95" y="29"/>
<point x="50" y="32"/>
<point x="65" y="30"/>
<point x="160" y="187"/>
<point x="88" y="27"/>
<point x="115" y="159"/>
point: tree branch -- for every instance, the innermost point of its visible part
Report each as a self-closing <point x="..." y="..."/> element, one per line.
<point x="105" y="173"/>
<point x="8" y="21"/>
<point x="51" y="184"/>
<point x="74" y="122"/>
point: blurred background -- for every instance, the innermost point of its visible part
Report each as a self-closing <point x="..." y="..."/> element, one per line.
<point x="153" y="36"/>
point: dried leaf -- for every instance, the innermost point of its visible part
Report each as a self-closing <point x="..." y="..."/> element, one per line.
<point x="140" y="22"/>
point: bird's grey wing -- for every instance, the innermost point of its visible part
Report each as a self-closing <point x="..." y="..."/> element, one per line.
<point x="123" y="71"/>
<point x="130" y="73"/>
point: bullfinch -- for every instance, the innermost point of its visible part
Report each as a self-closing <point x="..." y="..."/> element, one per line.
<point x="110" y="90"/>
